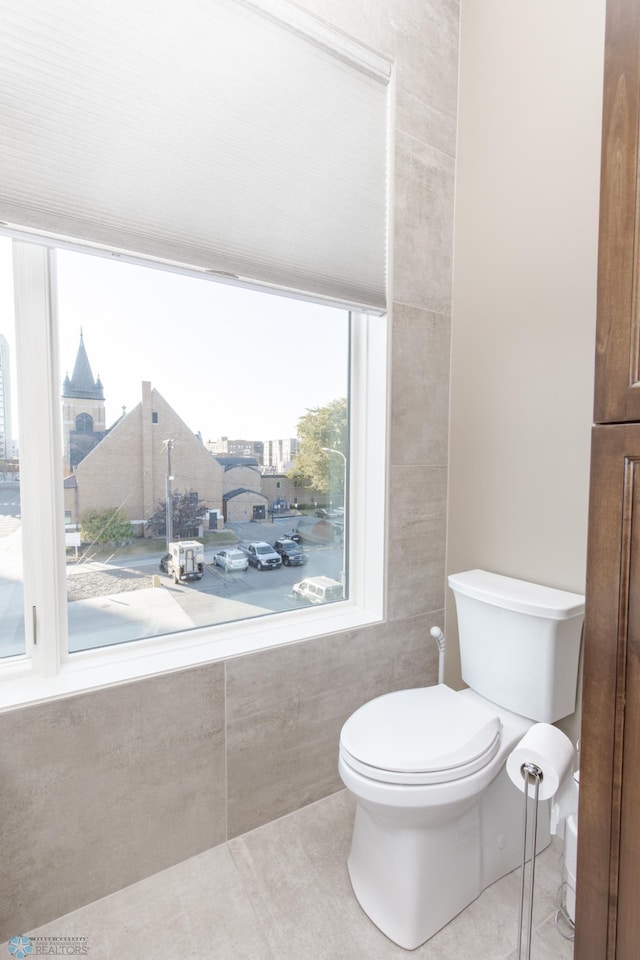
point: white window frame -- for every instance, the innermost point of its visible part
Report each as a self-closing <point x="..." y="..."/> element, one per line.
<point x="47" y="671"/>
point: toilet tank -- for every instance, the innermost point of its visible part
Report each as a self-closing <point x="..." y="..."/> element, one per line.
<point x="519" y="643"/>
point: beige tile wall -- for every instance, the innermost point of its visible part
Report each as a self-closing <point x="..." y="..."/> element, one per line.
<point x="286" y="706"/>
<point x="100" y="790"/>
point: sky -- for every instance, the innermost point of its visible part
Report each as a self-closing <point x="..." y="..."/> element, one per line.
<point x="231" y="362"/>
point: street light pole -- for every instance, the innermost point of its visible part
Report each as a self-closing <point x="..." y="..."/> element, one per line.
<point x="344" y="460"/>
<point x="169" y="504"/>
<point x="344" y="498"/>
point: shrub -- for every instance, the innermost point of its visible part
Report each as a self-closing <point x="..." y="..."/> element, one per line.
<point x="105" y="526"/>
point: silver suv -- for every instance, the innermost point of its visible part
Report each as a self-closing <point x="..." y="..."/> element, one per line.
<point x="261" y="555"/>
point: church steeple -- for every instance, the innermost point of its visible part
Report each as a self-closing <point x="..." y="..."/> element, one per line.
<point x="83" y="410"/>
<point x="82" y="384"/>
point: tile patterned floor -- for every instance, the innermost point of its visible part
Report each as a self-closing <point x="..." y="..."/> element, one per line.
<point x="282" y="892"/>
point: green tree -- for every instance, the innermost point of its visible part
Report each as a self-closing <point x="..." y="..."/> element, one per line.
<point x="188" y="511"/>
<point x="322" y="427"/>
<point x="105" y="526"/>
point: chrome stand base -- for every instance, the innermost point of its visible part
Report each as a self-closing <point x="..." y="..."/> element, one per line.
<point x="532" y="775"/>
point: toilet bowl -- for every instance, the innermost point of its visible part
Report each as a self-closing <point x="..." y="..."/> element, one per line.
<point x="428" y="838"/>
<point x="437" y="817"/>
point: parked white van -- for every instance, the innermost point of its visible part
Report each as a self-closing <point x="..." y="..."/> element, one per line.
<point x="318" y="590"/>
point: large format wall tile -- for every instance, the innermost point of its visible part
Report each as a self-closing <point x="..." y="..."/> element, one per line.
<point x="417" y="540"/>
<point x="100" y="790"/>
<point x="286" y="706"/>
<point x="426" y="121"/>
<point x="423" y="243"/>
<point x="427" y="74"/>
<point x="420" y="387"/>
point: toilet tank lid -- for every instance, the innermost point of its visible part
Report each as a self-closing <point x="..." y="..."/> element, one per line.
<point x="518" y="595"/>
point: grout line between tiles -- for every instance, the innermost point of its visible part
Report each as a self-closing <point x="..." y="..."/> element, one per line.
<point x="226" y="753"/>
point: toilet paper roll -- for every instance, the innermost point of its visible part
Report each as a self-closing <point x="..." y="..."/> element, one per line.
<point x="550" y="750"/>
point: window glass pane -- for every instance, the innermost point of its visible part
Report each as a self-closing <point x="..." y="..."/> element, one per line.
<point x="12" y="634"/>
<point x="229" y="406"/>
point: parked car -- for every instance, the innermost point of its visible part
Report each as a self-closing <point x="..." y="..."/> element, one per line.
<point x="315" y="531"/>
<point x="231" y="559"/>
<point x="318" y="590"/>
<point x="261" y="555"/>
<point x="292" y="553"/>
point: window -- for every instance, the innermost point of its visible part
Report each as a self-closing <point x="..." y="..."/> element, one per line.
<point x="84" y="423"/>
<point x="217" y="390"/>
<point x="123" y="484"/>
<point x="108" y="566"/>
<point x="12" y="624"/>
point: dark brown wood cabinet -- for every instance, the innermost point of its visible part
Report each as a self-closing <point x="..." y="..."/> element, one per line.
<point x="617" y="377"/>
<point x="608" y="882"/>
<point x="608" y="906"/>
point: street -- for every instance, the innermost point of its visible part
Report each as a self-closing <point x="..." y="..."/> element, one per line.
<point x="129" y="598"/>
<point x="9" y="498"/>
<point x="220" y="597"/>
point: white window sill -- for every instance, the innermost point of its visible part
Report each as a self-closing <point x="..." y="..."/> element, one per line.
<point x="110" y="666"/>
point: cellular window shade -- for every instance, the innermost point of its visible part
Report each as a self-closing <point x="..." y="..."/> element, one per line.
<point x="239" y="137"/>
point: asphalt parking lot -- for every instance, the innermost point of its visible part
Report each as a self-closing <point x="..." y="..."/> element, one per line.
<point x="266" y="589"/>
<point x="116" y="601"/>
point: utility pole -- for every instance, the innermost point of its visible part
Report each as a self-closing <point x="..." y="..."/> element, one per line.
<point x="169" y="504"/>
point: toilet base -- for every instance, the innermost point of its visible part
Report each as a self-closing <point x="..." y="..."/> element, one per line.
<point x="412" y="871"/>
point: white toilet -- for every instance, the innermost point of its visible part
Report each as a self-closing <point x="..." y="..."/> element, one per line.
<point x="437" y="817"/>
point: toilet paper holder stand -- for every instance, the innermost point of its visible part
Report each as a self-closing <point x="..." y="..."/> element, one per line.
<point x="532" y="775"/>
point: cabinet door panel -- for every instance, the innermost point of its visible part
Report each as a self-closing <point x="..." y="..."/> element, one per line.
<point x="617" y="385"/>
<point x="628" y="927"/>
<point x="607" y="915"/>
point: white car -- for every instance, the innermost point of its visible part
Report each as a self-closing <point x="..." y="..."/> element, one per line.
<point x="318" y="590"/>
<point x="231" y="560"/>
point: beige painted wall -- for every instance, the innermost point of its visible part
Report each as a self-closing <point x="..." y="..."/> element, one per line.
<point x="524" y="295"/>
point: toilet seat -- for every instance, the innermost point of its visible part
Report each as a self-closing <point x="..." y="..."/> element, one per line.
<point x="420" y="736"/>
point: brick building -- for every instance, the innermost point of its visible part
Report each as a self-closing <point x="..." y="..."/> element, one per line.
<point x="125" y="467"/>
<point x="128" y="468"/>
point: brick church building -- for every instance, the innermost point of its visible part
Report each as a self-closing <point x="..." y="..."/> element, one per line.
<point x="125" y="466"/>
